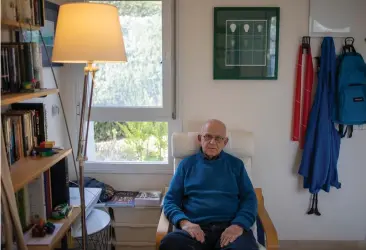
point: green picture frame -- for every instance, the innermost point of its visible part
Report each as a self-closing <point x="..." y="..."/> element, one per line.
<point x="246" y="43"/>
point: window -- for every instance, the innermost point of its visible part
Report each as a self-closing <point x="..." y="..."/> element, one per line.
<point x="130" y="141"/>
<point x="131" y="117"/>
<point x="138" y="83"/>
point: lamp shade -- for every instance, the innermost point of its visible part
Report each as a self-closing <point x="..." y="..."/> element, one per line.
<point x="87" y="33"/>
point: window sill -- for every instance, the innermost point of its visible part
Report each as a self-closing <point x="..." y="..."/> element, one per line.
<point x="128" y="168"/>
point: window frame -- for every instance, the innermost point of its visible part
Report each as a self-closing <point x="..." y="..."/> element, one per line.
<point x="166" y="113"/>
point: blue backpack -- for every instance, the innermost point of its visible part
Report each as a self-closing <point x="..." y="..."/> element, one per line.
<point x="350" y="93"/>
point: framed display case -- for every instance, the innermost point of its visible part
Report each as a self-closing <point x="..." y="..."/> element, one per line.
<point x="246" y="43"/>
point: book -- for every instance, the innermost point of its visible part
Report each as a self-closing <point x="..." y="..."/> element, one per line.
<point x="14" y="139"/>
<point x="122" y="199"/>
<point x="39" y="119"/>
<point x="25" y="11"/>
<point x="148" y="199"/>
<point x="21" y="67"/>
<point x="8" y="11"/>
<point x="37" y="199"/>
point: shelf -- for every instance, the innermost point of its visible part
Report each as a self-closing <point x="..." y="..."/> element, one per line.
<point x="17" y="25"/>
<point x="27" y="169"/>
<point x="65" y="227"/>
<point x="7" y="99"/>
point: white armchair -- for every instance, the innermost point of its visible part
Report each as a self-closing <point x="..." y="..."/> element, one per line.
<point x="242" y="146"/>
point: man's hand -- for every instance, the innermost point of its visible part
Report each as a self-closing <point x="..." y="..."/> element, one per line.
<point x="230" y="235"/>
<point x="193" y="229"/>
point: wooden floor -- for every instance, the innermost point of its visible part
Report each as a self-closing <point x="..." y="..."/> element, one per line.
<point x="322" y="245"/>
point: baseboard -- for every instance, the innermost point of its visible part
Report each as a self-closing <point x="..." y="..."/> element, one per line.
<point x="322" y="244"/>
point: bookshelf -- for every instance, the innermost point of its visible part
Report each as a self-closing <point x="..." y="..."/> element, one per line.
<point x="7" y="99"/>
<point x="23" y="171"/>
<point x="17" y="25"/>
<point x="26" y="169"/>
<point x="58" y="236"/>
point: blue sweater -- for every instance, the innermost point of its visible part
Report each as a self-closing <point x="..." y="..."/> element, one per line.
<point x="205" y="191"/>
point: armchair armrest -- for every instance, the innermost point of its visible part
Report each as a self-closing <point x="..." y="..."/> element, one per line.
<point x="272" y="242"/>
<point x="162" y="230"/>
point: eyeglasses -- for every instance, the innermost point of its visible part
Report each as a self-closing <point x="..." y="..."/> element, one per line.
<point x="217" y="138"/>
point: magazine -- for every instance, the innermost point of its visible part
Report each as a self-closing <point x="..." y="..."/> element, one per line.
<point x="122" y="199"/>
<point x="148" y="198"/>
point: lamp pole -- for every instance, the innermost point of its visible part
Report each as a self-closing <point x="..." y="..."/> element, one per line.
<point x="89" y="74"/>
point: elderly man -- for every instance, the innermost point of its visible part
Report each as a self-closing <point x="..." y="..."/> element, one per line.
<point x="211" y="200"/>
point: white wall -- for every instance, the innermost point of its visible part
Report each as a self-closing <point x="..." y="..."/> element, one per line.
<point x="265" y="108"/>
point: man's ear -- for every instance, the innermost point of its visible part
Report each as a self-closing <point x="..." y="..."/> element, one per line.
<point x="199" y="137"/>
<point x="226" y="141"/>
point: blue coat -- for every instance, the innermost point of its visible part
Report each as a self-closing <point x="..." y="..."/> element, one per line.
<point x="322" y="141"/>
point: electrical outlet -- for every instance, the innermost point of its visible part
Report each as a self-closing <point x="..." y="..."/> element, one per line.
<point x="55" y="110"/>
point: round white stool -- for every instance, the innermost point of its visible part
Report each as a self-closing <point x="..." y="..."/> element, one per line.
<point x="98" y="230"/>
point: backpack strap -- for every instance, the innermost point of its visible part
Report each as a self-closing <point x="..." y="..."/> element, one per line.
<point x="316" y="210"/>
<point x="312" y="200"/>
<point x="342" y="132"/>
<point x="314" y="205"/>
<point x="350" y="130"/>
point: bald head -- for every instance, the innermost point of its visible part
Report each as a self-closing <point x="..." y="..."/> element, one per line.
<point x="213" y="137"/>
<point x="215" y="126"/>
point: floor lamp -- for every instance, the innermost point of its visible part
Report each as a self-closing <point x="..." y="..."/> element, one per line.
<point x="87" y="33"/>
